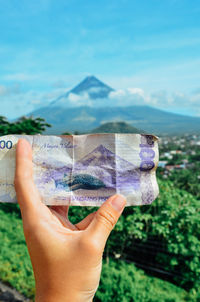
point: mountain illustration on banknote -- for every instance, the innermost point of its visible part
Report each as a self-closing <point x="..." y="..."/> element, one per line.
<point x="99" y="169"/>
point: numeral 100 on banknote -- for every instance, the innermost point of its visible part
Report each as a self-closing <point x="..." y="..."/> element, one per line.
<point x="6" y="144"/>
<point x="147" y="154"/>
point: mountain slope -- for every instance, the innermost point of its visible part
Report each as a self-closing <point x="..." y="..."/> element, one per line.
<point x="86" y="118"/>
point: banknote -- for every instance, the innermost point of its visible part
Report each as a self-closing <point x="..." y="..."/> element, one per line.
<point x="85" y="170"/>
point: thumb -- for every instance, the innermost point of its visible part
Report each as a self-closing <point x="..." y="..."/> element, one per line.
<point x="105" y="219"/>
<point x="27" y="195"/>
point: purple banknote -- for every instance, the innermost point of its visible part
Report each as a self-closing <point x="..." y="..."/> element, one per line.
<point x="85" y="169"/>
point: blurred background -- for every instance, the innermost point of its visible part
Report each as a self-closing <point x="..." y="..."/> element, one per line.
<point x="125" y="66"/>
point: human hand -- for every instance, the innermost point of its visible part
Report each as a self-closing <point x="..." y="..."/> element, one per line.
<point x="66" y="258"/>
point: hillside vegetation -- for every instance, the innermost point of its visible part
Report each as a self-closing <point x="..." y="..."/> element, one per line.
<point x="173" y="219"/>
<point x="116" y="127"/>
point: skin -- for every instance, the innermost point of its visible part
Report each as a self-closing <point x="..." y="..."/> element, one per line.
<point x="66" y="258"/>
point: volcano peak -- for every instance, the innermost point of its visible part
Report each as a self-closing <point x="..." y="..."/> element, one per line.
<point x="93" y="86"/>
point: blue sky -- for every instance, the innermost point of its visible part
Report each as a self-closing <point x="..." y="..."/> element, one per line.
<point x="48" y="46"/>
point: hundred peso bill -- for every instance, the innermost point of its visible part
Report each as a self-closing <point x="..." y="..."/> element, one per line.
<point x="85" y="170"/>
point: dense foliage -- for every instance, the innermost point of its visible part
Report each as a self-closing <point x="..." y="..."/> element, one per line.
<point x="163" y="238"/>
<point x="119" y="281"/>
<point x="188" y="179"/>
<point x="25" y="125"/>
<point x="122" y="282"/>
<point x="172" y="220"/>
<point x="15" y="266"/>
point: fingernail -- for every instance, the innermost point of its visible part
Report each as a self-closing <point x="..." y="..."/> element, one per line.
<point x="118" y="202"/>
<point x="23" y="148"/>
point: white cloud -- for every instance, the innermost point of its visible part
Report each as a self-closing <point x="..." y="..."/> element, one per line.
<point x="178" y="101"/>
<point x="74" y="98"/>
<point x="8" y="90"/>
<point x="136" y="91"/>
<point x="20" y="77"/>
<point x="175" y="101"/>
<point x="15" y="102"/>
<point x="79" y="100"/>
<point x="128" y="97"/>
<point x="117" y="94"/>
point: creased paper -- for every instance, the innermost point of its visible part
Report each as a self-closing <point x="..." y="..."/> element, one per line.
<point x="85" y="170"/>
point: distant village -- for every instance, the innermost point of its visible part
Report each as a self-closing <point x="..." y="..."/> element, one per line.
<point x="178" y="153"/>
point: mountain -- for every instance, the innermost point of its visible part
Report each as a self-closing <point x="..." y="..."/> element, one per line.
<point x="90" y="87"/>
<point x="100" y="156"/>
<point x="87" y="106"/>
<point x="102" y="163"/>
<point x="116" y="127"/>
<point x="96" y="88"/>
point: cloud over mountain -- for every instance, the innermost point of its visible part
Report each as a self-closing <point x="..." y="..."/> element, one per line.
<point x="94" y="93"/>
<point x="92" y="103"/>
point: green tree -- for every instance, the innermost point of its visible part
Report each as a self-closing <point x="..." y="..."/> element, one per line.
<point x="24" y="125"/>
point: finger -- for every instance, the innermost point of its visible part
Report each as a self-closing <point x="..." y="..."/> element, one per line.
<point x="105" y="219"/>
<point x="83" y="224"/>
<point x="27" y="195"/>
